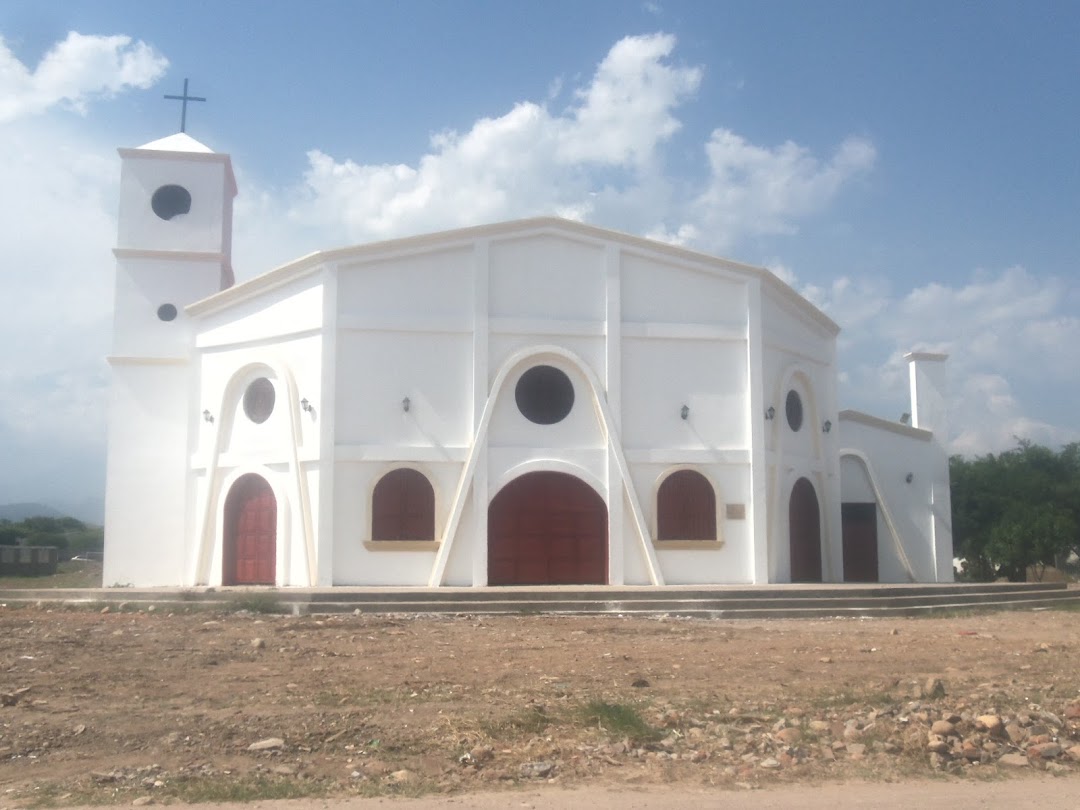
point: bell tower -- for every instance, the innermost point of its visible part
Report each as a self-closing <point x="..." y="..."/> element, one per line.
<point x="174" y="247"/>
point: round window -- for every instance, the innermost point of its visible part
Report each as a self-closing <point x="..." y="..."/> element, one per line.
<point x="259" y="400"/>
<point x="171" y="201"/>
<point x="544" y="395"/>
<point x="793" y="406"/>
<point x="166" y="312"/>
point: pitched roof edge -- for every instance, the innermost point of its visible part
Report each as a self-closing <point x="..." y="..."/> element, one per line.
<point x="523" y="227"/>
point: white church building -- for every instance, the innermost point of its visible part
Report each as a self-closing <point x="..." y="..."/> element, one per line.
<point x="534" y="402"/>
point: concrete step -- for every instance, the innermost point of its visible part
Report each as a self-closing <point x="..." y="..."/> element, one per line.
<point x="718" y="602"/>
<point x="599" y="593"/>
<point x="708" y="607"/>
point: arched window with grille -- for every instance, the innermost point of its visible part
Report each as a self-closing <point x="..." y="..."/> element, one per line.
<point x="686" y="507"/>
<point x="403" y="507"/>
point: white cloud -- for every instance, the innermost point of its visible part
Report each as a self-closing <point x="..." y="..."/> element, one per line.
<point x="57" y="203"/>
<point x="1003" y="319"/>
<point x="626" y="111"/>
<point x="1010" y="336"/>
<point x="601" y="159"/>
<point x="525" y="162"/>
<point x="755" y="190"/>
<point x="74" y="71"/>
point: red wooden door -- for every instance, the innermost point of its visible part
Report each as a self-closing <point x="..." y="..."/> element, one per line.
<point x="804" y="522"/>
<point x="250" y="533"/>
<point x="859" y="521"/>
<point x="547" y="528"/>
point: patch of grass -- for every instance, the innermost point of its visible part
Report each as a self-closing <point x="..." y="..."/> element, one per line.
<point x="244" y="789"/>
<point x="414" y="788"/>
<point x="54" y="794"/>
<point x="618" y="720"/>
<point x="368" y="697"/>
<point x="530" y="722"/>
<point x="846" y="698"/>
<point x="257" y="602"/>
<point x="69" y="574"/>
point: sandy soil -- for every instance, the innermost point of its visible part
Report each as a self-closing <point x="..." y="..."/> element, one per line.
<point x="122" y="707"/>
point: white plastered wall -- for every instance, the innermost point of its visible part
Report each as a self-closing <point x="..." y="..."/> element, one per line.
<point x="876" y="462"/>
<point x="145" y="499"/>
<point x="799" y="354"/>
<point x="635" y="350"/>
<point x="403" y="331"/>
<point x="276" y="336"/>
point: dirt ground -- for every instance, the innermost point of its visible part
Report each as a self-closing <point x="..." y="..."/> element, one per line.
<point x="151" y="707"/>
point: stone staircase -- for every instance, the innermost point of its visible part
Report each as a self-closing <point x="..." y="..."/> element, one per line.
<point x="713" y="602"/>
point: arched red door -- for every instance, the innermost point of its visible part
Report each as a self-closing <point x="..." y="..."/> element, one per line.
<point x="804" y="525"/>
<point x="250" y="533"/>
<point x="547" y="528"/>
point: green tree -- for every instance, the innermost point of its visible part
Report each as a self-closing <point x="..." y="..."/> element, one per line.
<point x="1017" y="509"/>
<point x="1030" y="537"/>
<point x="10" y="534"/>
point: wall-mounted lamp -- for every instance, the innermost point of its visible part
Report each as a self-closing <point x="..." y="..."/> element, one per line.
<point x="207" y="416"/>
<point x="909" y="477"/>
<point x="825" y="428"/>
<point x="770" y="413"/>
<point x="306" y="406"/>
<point x="406" y="404"/>
<point x="684" y="412"/>
<point x="905" y="418"/>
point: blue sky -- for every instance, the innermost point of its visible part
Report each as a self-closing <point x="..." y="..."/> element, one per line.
<point x="912" y="168"/>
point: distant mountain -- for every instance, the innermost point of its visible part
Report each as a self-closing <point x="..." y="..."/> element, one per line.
<point x="89" y="510"/>
<point x="17" y="512"/>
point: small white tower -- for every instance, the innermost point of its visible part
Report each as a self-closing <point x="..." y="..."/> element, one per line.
<point x="929" y="411"/>
<point x="174" y="248"/>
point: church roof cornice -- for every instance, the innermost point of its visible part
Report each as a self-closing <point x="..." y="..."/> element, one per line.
<point x="512" y="228"/>
<point x="885" y="424"/>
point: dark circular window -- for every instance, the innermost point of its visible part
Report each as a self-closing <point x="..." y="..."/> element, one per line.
<point x="166" y="312"/>
<point x="259" y="400"/>
<point x="544" y="395"/>
<point x="171" y="201"/>
<point x="793" y="406"/>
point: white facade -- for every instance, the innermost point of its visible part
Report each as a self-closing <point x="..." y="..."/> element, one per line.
<point x="410" y="354"/>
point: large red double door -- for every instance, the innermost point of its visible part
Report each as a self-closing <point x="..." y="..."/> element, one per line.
<point x="547" y="528"/>
<point x="250" y="533"/>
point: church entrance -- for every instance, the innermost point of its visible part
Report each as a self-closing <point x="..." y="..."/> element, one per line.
<point x="250" y="533"/>
<point x="859" y="521"/>
<point x="547" y="528"/>
<point x="804" y="522"/>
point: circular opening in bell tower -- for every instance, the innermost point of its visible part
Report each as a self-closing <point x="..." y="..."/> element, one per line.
<point x="171" y="201"/>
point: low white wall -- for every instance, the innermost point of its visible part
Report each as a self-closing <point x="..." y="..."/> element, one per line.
<point x="886" y="455"/>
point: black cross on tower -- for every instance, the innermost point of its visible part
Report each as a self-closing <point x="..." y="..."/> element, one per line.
<point x="183" y="109"/>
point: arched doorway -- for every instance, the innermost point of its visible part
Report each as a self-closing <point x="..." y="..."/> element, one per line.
<point x="250" y="533"/>
<point x="547" y="528"/>
<point x="804" y="525"/>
